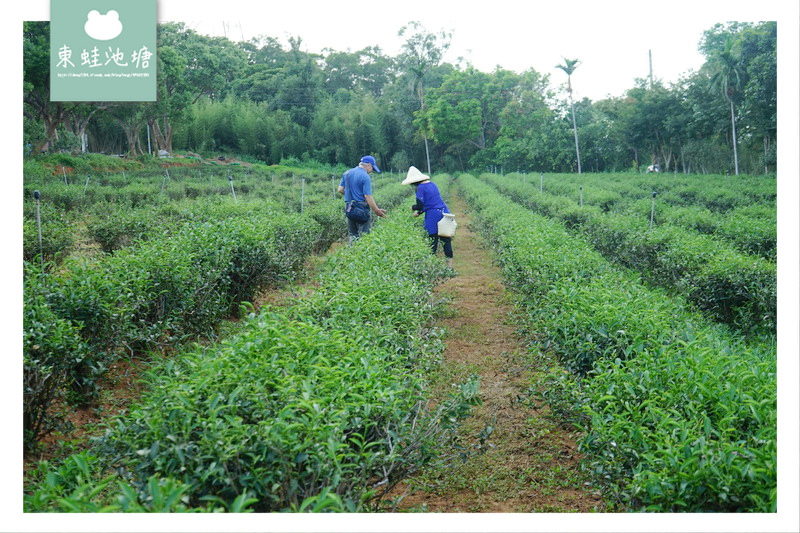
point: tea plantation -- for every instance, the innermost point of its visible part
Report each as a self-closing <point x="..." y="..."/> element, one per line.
<point x="660" y="310"/>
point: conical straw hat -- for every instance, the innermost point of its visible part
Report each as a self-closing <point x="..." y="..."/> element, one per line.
<point x="414" y="176"/>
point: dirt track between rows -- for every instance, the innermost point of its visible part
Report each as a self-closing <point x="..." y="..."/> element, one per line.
<point x="531" y="464"/>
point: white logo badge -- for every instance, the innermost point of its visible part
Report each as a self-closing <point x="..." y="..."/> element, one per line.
<point x="103" y="27"/>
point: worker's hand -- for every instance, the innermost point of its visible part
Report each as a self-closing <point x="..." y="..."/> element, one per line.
<point x="416" y="213"/>
<point x="381" y="212"/>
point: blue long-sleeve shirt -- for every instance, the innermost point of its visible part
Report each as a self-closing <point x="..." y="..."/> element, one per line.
<point x="430" y="202"/>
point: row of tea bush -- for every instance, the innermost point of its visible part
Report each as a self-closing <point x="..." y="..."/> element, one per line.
<point x="735" y="288"/>
<point x="678" y="413"/>
<point x="320" y="405"/>
<point x="747" y="218"/>
<point x="175" y="284"/>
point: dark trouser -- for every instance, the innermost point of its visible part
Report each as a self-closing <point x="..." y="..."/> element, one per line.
<point x="447" y="245"/>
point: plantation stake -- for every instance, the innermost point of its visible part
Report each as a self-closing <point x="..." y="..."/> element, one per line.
<point x="230" y="179"/>
<point x="653" y="209"/>
<point x="303" y="196"/>
<point x="65" y="175"/>
<point x="87" y="183"/>
<point x="39" y="226"/>
<point x="581" y="195"/>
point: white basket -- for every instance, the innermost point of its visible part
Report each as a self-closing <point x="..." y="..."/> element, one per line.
<point x="447" y="225"/>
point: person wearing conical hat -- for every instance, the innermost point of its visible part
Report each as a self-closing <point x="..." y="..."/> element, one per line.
<point x="430" y="202"/>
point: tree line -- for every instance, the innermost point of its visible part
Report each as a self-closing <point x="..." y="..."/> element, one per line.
<point x="270" y="102"/>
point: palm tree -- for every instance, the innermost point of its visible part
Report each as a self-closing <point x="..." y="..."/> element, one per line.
<point x="727" y="78"/>
<point x="569" y="67"/>
<point x="422" y="52"/>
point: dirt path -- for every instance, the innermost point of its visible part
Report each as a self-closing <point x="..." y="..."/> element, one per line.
<point x="532" y="464"/>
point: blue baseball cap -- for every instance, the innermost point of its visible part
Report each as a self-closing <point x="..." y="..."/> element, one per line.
<point x="371" y="160"/>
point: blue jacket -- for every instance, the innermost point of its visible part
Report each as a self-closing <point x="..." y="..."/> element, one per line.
<point x="430" y="202"/>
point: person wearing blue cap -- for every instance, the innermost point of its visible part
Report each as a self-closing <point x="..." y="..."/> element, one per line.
<point x="357" y="190"/>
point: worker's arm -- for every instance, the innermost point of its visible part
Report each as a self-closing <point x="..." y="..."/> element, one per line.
<point x="380" y="212"/>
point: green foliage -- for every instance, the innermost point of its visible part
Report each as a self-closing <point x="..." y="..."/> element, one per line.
<point x="735" y="288"/>
<point x="35" y="169"/>
<point x="266" y="413"/>
<point x="52" y="349"/>
<point x="161" y="292"/>
<point x="78" y="485"/>
<point x="119" y="227"/>
<point x="86" y="163"/>
<point x="183" y="282"/>
<point x="268" y="102"/>
<point x="57" y="234"/>
<point x="694" y="427"/>
<point x="678" y="413"/>
<point x="178" y="266"/>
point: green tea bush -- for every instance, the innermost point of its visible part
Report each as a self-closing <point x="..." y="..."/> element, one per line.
<point x="268" y="414"/>
<point x="64" y="198"/>
<point x="57" y="233"/>
<point x="169" y="289"/>
<point x="753" y="231"/>
<point x="52" y="349"/>
<point x="316" y="407"/>
<point x="183" y="283"/>
<point x="750" y="229"/>
<point x="678" y="413"/>
<point x="734" y="288"/>
<point x="80" y="485"/>
<point x="691" y="427"/>
<point x="746" y="217"/>
<point x="35" y="169"/>
<point x="120" y="227"/>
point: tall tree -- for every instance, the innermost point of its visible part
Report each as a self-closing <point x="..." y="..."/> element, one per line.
<point x="569" y="67"/>
<point x="530" y="137"/>
<point x="365" y="70"/>
<point x="36" y="82"/>
<point x="727" y="78"/>
<point x="759" y="107"/>
<point x="131" y="116"/>
<point x="190" y="66"/>
<point x="422" y="51"/>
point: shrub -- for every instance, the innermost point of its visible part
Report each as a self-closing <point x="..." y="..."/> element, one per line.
<point x="57" y="235"/>
<point x="79" y="485"/>
<point x="173" y="287"/>
<point x="118" y="228"/>
<point x="734" y="288"/>
<point x="314" y="408"/>
<point x="678" y="413"/>
<point x="52" y="348"/>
